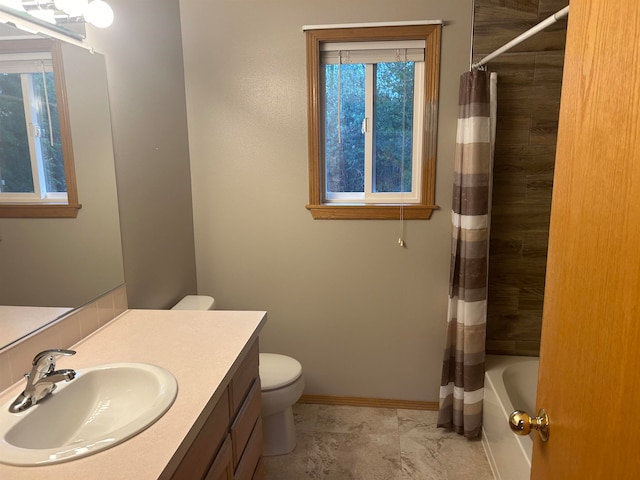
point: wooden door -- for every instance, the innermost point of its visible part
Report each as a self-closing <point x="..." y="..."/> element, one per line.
<point x="589" y="381"/>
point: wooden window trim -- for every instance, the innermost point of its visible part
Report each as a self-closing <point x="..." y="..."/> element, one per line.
<point x="49" y="210"/>
<point x="320" y="210"/>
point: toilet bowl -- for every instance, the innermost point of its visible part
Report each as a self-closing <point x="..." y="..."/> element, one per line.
<point x="282" y="384"/>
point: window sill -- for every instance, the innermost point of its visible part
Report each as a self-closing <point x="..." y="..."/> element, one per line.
<point x="16" y="210"/>
<point x="371" y="212"/>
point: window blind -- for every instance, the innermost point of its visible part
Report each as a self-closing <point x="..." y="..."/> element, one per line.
<point x="26" y="63"/>
<point x="372" y="52"/>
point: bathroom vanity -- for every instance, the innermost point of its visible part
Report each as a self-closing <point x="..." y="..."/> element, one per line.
<point x="212" y="430"/>
<point x="229" y="444"/>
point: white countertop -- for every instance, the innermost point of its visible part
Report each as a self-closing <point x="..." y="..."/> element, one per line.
<point x="200" y="348"/>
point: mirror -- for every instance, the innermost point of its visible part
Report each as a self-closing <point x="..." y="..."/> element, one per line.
<point x="57" y="264"/>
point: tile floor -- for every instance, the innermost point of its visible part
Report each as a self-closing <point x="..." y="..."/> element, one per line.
<point x="358" y="443"/>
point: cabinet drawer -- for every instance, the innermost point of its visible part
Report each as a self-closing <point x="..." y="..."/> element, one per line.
<point x="222" y="467"/>
<point x="259" y="473"/>
<point x="243" y="379"/>
<point x="252" y="454"/>
<point x="200" y="455"/>
<point x="244" y="423"/>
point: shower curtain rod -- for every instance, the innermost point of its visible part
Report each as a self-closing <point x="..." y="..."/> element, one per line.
<point x="519" y="39"/>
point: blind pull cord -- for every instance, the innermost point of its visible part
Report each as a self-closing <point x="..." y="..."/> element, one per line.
<point x="404" y="120"/>
<point x="339" y="96"/>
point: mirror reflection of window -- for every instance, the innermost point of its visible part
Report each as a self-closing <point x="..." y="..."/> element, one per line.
<point x="37" y="174"/>
<point x="31" y="161"/>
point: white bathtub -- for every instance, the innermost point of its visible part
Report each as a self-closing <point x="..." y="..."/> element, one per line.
<point x="509" y="384"/>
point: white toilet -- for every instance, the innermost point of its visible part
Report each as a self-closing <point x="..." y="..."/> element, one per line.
<point x="282" y="385"/>
<point x="281" y="382"/>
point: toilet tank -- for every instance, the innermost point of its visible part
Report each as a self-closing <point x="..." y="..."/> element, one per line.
<point x="195" y="302"/>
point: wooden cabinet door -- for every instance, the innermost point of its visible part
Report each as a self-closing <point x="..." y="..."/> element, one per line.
<point x="222" y="467"/>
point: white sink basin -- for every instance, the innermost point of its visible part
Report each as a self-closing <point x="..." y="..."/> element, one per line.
<point x="101" y="407"/>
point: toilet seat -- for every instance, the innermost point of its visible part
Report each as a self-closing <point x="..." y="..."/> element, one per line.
<point x="278" y="371"/>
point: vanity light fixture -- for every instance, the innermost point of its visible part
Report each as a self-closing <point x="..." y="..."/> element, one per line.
<point x="99" y="14"/>
<point x="59" y="12"/>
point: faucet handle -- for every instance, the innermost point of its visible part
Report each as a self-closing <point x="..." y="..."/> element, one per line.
<point x="51" y="355"/>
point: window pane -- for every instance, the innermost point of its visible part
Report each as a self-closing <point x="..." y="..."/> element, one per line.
<point x="15" y="161"/>
<point x="393" y="120"/>
<point x="344" y="140"/>
<point x="43" y="108"/>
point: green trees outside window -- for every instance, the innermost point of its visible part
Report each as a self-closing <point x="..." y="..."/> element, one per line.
<point x="30" y="143"/>
<point x="345" y="101"/>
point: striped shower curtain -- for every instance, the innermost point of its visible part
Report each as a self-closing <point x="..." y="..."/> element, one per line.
<point x="461" y="387"/>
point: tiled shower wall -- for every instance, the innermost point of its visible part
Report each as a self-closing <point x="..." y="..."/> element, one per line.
<point x="529" y="82"/>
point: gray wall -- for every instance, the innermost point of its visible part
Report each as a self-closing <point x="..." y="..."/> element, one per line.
<point x="364" y="316"/>
<point x="146" y="86"/>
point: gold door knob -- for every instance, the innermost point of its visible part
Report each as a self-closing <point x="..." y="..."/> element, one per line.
<point x="522" y="423"/>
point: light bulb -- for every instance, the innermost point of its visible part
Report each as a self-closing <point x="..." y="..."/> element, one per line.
<point x="99" y="14"/>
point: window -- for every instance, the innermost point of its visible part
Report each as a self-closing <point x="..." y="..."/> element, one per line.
<point x="36" y="162"/>
<point x="372" y="130"/>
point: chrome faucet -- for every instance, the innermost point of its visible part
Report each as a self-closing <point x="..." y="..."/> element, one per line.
<point x="42" y="379"/>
